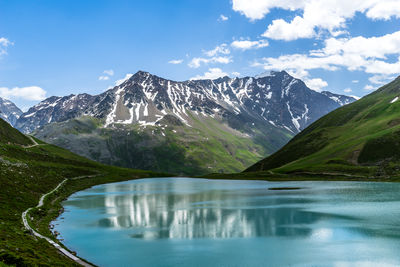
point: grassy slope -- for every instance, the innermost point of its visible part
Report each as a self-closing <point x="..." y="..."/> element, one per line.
<point x="208" y="146"/>
<point x="26" y="174"/>
<point x="360" y="139"/>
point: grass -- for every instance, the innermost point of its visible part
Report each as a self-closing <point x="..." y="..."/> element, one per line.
<point x="208" y="146"/>
<point x="362" y="138"/>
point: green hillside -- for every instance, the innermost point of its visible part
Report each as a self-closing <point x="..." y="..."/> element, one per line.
<point x="361" y="139"/>
<point x="27" y="171"/>
<point x="10" y="135"/>
<point x="207" y="146"/>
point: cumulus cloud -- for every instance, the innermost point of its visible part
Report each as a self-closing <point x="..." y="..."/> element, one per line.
<point x="212" y="73"/>
<point x="236" y="74"/>
<point x="216" y="55"/>
<point x="257" y="9"/>
<point x="359" y="53"/>
<point x="109" y="72"/>
<point x="369" y="87"/>
<point x="34" y="93"/>
<point x="223" y="18"/>
<point x="282" y="30"/>
<point x="384" y="9"/>
<point x="246" y="44"/>
<point x="380" y="79"/>
<point x="327" y="15"/>
<point x="175" y="61"/>
<point x="220" y="49"/>
<point x="4" y="43"/>
<point x="197" y="61"/>
<point x="316" y="83"/>
<point x="347" y="90"/>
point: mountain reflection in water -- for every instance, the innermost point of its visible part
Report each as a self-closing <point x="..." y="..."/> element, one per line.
<point x="156" y="211"/>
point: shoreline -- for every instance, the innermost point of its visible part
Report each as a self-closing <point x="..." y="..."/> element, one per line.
<point x="50" y="202"/>
<point x="70" y="189"/>
<point x="64" y="251"/>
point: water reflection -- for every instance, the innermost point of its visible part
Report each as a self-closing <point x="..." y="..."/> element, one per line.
<point x="187" y="211"/>
<point x="176" y="222"/>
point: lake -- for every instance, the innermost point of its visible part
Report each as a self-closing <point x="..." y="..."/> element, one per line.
<point x="199" y="222"/>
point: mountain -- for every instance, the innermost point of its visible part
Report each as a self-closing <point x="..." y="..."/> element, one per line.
<point x="28" y="169"/>
<point x="188" y="127"/>
<point x="361" y="139"/>
<point x="340" y="99"/>
<point x="9" y="111"/>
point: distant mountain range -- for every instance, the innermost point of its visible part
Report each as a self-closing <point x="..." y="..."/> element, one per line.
<point x="187" y="127"/>
<point x="360" y="140"/>
<point x="9" y="111"/>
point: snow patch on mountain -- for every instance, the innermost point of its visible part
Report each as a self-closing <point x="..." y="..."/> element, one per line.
<point x="277" y="99"/>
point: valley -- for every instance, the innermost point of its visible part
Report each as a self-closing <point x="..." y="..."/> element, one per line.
<point x="222" y="125"/>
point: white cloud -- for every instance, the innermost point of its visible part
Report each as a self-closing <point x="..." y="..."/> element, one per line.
<point x="212" y="73"/>
<point x="104" y="78"/>
<point x="216" y="55"/>
<point x="316" y="84"/>
<point x="358" y="53"/>
<point x="384" y="9"/>
<point x="327" y="15"/>
<point x="372" y="47"/>
<point x="236" y="74"/>
<point x="282" y="30"/>
<point x="4" y="43"/>
<point x="380" y="79"/>
<point x="257" y="9"/>
<point x="109" y="72"/>
<point x="223" y="18"/>
<point x="33" y="93"/>
<point x="369" y="87"/>
<point x="347" y="90"/>
<point x="220" y="49"/>
<point x="197" y="61"/>
<point x="355" y="81"/>
<point x="175" y="61"/>
<point x="246" y="44"/>
<point x="127" y="76"/>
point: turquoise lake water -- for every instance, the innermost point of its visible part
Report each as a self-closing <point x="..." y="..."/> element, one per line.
<point x="197" y="222"/>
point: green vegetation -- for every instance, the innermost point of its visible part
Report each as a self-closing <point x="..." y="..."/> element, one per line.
<point x="207" y="146"/>
<point x="358" y="141"/>
<point x="26" y="173"/>
<point x="10" y="135"/>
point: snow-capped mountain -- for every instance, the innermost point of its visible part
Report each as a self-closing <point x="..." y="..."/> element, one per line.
<point x="190" y="127"/>
<point x="340" y="99"/>
<point x="9" y="111"/>
<point x="277" y="99"/>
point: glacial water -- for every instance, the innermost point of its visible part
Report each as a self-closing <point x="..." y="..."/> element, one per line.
<point x="196" y="222"/>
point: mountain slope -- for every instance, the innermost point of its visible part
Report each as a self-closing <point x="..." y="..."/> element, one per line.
<point x="9" y="111"/>
<point x="26" y="172"/>
<point x="221" y="125"/>
<point x="9" y="135"/>
<point x="362" y="138"/>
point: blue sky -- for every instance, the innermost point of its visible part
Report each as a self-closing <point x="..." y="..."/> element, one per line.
<point x="63" y="47"/>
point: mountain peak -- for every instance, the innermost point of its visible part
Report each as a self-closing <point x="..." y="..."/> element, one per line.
<point x="9" y="111"/>
<point x="272" y="73"/>
<point x="144" y="99"/>
<point x="142" y="73"/>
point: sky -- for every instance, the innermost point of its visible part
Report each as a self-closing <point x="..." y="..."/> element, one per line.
<point x="67" y="47"/>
